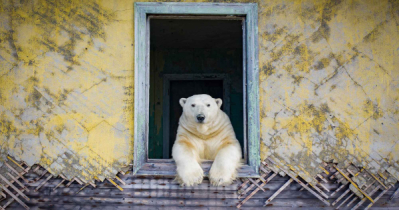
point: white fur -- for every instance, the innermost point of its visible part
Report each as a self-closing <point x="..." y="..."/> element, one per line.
<point x="213" y="139"/>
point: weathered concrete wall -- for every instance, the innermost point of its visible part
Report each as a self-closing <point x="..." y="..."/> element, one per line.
<point x="329" y="84"/>
<point x="66" y="85"/>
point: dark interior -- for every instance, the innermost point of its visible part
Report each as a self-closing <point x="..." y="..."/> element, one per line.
<point x="193" y="46"/>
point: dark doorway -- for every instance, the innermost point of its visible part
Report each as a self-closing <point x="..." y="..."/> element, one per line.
<point x="192" y="46"/>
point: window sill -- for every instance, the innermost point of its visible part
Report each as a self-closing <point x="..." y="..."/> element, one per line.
<point x="167" y="167"/>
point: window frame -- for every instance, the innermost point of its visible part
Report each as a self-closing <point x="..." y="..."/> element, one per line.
<point x="142" y="165"/>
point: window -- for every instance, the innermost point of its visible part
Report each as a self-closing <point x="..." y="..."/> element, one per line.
<point x="172" y="43"/>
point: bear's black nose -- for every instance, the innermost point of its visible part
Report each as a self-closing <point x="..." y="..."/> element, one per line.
<point x="200" y="117"/>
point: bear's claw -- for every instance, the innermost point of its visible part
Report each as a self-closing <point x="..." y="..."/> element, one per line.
<point x="190" y="177"/>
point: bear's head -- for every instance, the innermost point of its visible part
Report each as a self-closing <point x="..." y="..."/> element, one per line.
<point x="200" y="108"/>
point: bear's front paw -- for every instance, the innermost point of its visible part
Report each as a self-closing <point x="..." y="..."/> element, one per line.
<point x="220" y="176"/>
<point x="190" y="175"/>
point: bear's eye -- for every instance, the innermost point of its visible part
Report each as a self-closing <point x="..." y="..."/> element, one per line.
<point x="208" y="105"/>
<point x="192" y="105"/>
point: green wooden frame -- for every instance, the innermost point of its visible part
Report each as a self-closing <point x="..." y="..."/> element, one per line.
<point x="144" y="166"/>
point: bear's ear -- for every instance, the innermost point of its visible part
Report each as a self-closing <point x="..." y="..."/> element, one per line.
<point x="219" y="102"/>
<point x="182" y="101"/>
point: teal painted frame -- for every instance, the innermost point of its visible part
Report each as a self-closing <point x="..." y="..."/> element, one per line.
<point x="141" y="164"/>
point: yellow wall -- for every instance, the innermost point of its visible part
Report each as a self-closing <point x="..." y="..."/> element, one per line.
<point x="329" y="84"/>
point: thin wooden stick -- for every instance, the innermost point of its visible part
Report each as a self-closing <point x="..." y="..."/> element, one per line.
<point x="318" y="190"/>
<point x="262" y="179"/>
<point x="79" y="181"/>
<point x="350" y="203"/>
<point x="13" y="187"/>
<point x="266" y="171"/>
<point x="15" y="197"/>
<point x="92" y="184"/>
<point x="120" y="180"/>
<point x="116" y="185"/>
<point x="364" y="199"/>
<point x="306" y="187"/>
<point x="394" y="194"/>
<point x="243" y="184"/>
<point x="18" y="182"/>
<point x="325" y="171"/>
<point x="69" y="183"/>
<point x="343" y="202"/>
<point x="351" y="172"/>
<point x="334" y="175"/>
<point x="340" y="197"/>
<point x="278" y="191"/>
<point x="15" y="171"/>
<point x="44" y="182"/>
<point x="15" y="162"/>
<point x="354" y="184"/>
<point x="11" y="200"/>
<point x="250" y="187"/>
<point x="377" y="179"/>
<point x="322" y="178"/>
<point x="379" y="196"/>
<point x="62" y="176"/>
<point x="59" y="184"/>
<point x="256" y="190"/>
<point x="37" y="168"/>
<point x="382" y="175"/>
<point x="307" y="184"/>
<point x="338" y="189"/>
<point x="42" y="175"/>
<point x="82" y="188"/>
<point x="256" y="184"/>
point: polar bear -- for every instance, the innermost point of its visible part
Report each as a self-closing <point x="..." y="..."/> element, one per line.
<point x="205" y="133"/>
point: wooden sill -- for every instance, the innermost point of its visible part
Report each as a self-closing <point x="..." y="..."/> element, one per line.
<point x="167" y="167"/>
